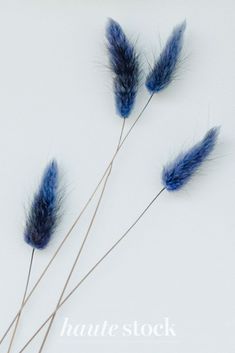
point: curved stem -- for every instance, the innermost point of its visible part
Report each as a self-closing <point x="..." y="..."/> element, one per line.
<point x="77" y="219"/>
<point x="93" y="268"/>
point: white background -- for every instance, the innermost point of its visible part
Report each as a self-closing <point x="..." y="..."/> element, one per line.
<point x="57" y="101"/>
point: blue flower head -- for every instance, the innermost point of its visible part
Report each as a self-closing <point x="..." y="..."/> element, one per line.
<point x="125" y="67"/>
<point x="43" y="214"/>
<point x="176" y="174"/>
<point x="164" y="68"/>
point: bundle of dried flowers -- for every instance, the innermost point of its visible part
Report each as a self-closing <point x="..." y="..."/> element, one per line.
<point x="44" y="213"/>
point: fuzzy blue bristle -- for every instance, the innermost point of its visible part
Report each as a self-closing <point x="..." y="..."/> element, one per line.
<point x="178" y="173"/>
<point x="125" y="66"/>
<point x="44" y="212"/>
<point x="165" y="67"/>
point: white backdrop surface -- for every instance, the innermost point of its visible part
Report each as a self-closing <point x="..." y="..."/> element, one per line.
<point x="57" y="101"/>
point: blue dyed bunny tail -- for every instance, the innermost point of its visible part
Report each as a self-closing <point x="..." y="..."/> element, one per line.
<point x="125" y="66"/>
<point x="178" y="173"/>
<point x="164" y="69"/>
<point x="44" y="212"/>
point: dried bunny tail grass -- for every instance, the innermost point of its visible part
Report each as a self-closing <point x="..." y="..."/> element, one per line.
<point x="124" y="62"/>
<point x="44" y="213"/>
<point x="164" y="69"/>
<point x="178" y="173"/>
<point x="40" y="224"/>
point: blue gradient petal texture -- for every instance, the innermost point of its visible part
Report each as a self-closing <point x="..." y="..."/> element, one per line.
<point x="164" y="69"/>
<point x="43" y="214"/>
<point x="179" y="172"/>
<point x="125" y="66"/>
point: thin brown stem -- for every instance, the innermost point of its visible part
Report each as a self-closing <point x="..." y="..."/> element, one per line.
<point x="23" y="299"/>
<point x="93" y="268"/>
<point x="77" y="219"/>
<point x="83" y="244"/>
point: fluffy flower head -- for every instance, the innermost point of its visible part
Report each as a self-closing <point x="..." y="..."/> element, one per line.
<point x="165" y="67"/>
<point x="124" y="64"/>
<point x="44" y="211"/>
<point x="176" y="174"/>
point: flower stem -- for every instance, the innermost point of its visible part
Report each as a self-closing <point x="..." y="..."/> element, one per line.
<point x="83" y="244"/>
<point x="23" y="299"/>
